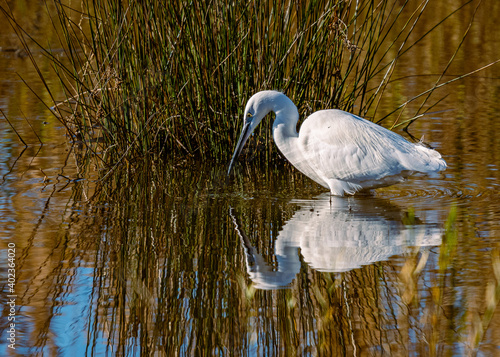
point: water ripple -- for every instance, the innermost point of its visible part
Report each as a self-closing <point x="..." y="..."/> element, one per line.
<point x="440" y="190"/>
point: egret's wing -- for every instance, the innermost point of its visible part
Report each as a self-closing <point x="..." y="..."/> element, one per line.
<point x="339" y="145"/>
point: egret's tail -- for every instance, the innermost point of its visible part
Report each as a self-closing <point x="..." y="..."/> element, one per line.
<point x="429" y="160"/>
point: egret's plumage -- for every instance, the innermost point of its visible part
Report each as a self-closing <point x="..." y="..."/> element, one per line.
<point x="338" y="150"/>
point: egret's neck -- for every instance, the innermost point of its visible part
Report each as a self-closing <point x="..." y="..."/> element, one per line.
<point x="285" y="130"/>
<point x="285" y="124"/>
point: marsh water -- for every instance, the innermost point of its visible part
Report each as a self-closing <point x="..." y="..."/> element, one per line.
<point x="175" y="259"/>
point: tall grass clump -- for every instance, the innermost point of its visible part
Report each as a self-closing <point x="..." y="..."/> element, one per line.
<point x="171" y="78"/>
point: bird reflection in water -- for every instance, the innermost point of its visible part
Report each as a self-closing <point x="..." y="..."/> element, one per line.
<point x="335" y="235"/>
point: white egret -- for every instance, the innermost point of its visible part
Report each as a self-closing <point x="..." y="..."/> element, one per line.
<point x="338" y="150"/>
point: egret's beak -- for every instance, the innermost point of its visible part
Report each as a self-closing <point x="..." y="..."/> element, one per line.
<point x="245" y="134"/>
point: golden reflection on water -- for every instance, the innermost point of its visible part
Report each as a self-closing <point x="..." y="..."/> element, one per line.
<point x="161" y="266"/>
<point x="152" y="263"/>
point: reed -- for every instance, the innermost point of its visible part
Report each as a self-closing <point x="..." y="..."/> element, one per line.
<point x="154" y="78"/>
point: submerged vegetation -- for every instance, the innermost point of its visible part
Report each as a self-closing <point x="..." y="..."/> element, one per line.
<point x="151" y="78"/>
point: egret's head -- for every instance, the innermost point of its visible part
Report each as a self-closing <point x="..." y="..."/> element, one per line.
<point x="256" y="109"/>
